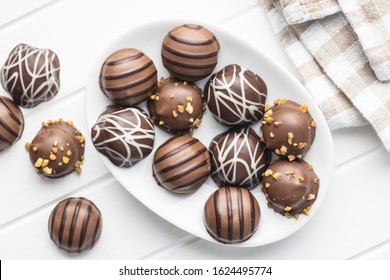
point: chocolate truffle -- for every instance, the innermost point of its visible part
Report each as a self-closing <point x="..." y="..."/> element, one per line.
<point x="231" y="215"/>
<point x="291" y="187"/>
<point x="288" y="129"/>
<point x="57" y="150"/>
<point x="190" y="52"/>
<point x="181" y="164"/>
<point x="238" y="158"/>
<point x="177" y="106"/>
<point x="236" y="96"/>
<point x="11" y="123"/>
<point x="31" y="75"/>
<point x="124" y="135"/>
<point x="128" y="77"/>
<point x="75" y="224"/>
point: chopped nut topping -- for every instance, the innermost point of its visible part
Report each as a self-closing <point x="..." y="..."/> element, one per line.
<point x="306" y="211"/>
<point x="69" y="152"/>
<point x="271" y="134"/>
<point x="287" y="208"/>
<point x="277" y="123"/>
<point x="45" y="163"/>
<point x="82" y="157"/>
<point x="197" y="122"/>
<point x="180" y="108"/>
<point x="303" y="108"/>
<point x="300" y="156"/>
<point x="35" y="149"/>
<point x="269" y="205"/>
<point x="267" y="185"/>
<point x="313" y="124"/>
<point x="311" y="196"/>
<point x="268" y="120"/>
<point x="44" y="124"/>
<point x="263" y="122"/>
<point x="189" y="98"/>
<point x="55" y="143"/>
<point x="70" y="123"/>
<point x="277" y="151"/>
<point x="268" y="113"/>
<point x="185" y="82"/>
<point x="283" y="150"/>
<point x="189" y="108"/>
<point x="152" y="97"/>
<point x="161" y="122"/>
<point x="52" y="157"/>
<point x="61" y="148"/>
<point x="176" y="84"/>
<point x="191" y="120"/>
<point x="78" y="170"/>
<point x="268" y="172"/>
<point x="54" y="150"/>
<point x="290" y="137"/>
<point x="261" y="139"/>
<point x="157" y="98"/>
<point x="301" y="179"/>
<point x="291" y="157"/>
<point x="276" y="176"/>
<point x="38" y="163"/>
<point x="65" y="160"/>
<point x="172" y="96"/>
<point x="60" y="163"/>
<point x="316" y="180"/>
<point x="280" y="101"/>
<point x="290" y="172"/>
<point x="78" y="163"/>
<point x="267" y="107"/>
<point x="309" y="167"/>
<point x="302" y="145"/>
<point x="79" y="138"/>
<point x="61" y="120"/>
<point x="287" y="215"/>
<point x="27" y="146"/>
<point x="174" y="113"/>
<point x="47" y="170"/>
<point x="296" y="216"/>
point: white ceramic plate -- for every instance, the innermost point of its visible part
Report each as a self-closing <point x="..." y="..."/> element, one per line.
<point x="186" y="211"/>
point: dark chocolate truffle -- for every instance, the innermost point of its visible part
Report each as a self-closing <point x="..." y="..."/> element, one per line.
<point x="57" y="150"/>
<point x="190" y="52"/>
<point x="238" y="158"/>
<point x="291" y="187"/>
<point x="236" y="96"/>
<point x="124" y="135"/>
<point x="181" y="164"/>
<point x="75" y="224"/>
<point x="11" y="123"/>
<point x="177" y="106"/>
<point x="128" y="77"/>
<point x="288" y="129"/>
<point x="31" y="75"/>
<point x="231" y="215"/>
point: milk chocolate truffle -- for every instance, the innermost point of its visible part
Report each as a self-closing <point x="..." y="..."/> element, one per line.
<point x="190" y="52"/>
<point x="31" y="75"/>
<point x="128" y="77"/>
<point x="124" y="135"/>
<point x="236" y="96"/>
<point x="238" y="158"/>
<point x="11" y="123"/>
<point x="57" y="150"/>
<point x="177" y="106"/>
<point x="75" y="224"/>
<point x="291" y="187"/>
<point x="181" y="164"/>
<point x="231" y="215"/>
<point x="288" y="129"/>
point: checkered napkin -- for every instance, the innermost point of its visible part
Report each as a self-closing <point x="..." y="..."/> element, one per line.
<point x="342" y="50"/>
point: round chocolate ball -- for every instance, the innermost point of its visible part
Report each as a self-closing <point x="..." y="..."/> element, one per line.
<point x="181" y="164"/>
<point x="75" y="224"/>
<point x="236" y="96"/>
<point x="288" y="129"/>
<point x="124" y="135"/>
<point x="57" y="150"/>
<point x="11" y="123"/>
<point x="231" y="215"/>
<point x="128" y="77"/>
<point x="291" y="187"/>
<point x="177" y="107"/>
<point x="31" y="75"/>
<point x="238" y="158"/>
<point x="190" y="52"/>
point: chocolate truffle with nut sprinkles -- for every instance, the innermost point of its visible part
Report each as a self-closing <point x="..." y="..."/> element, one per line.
<point x="57" y="150"/>
<point x="291" y="187"/>
<point x="288" y="129"/>
<point x="177" y="107"/>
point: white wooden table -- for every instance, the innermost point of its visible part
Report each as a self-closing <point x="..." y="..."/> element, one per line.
<point x="353" y="222"/>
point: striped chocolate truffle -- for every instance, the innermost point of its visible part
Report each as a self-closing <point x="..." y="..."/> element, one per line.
<point x="231" y="215"/>
<point x="75" y="224"/>
<point x="181" y="164"/>
<point x="128" y="77"/>
<point x="11" y="123"/>
<point x="190" y="52"/>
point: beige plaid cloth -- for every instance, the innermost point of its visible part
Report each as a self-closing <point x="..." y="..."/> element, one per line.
<point x="342" y="50"/>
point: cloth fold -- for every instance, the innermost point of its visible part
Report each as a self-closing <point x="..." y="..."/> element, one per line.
<point x="328" y="45"/>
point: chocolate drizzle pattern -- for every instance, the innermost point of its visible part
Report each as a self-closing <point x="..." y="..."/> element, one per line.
<point x="238" y="158"/>
<point x="31" y="75"/>
<point x="124" y="135"/>
<point x="128" y="77"/>
<point x="231" y="215"/>
<point x="236" y="96"/>
<point x="11" y="123"/>
<point x="181" y="164"/>
<point x="190" y="52"/>
<point x="75" y="224"/>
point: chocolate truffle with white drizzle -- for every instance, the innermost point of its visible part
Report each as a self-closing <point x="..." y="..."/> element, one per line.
<point x="124" y="135"/>
<point x="31" y="75"/>
<point x="236" y="96"/>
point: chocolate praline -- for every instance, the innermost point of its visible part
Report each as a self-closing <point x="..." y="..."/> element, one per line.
<point x="288" y="129"/>
<point x="177" y="107"/>
<point x="128" y="77"/>
<point x="190" y="52"/>
<point x="238" y="158"/>
<point x="57" y="150"/>
<point x="231" y="215"/>
<point x="75" y="224"/>
<point x="236" y="96"/>
<point x="181" y="164"/>
<point x="124" y="135"/>
<point x="31" y="75"/>
<point x="11" y="123"/>
<point x="291" y="187"/>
